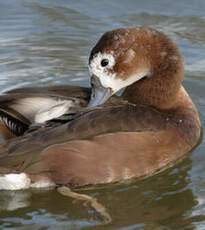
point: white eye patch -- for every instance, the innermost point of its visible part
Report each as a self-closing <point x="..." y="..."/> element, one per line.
<point x="102" y="72"/>
<point x="110" y="80"/>
<point x="95" y="66"/>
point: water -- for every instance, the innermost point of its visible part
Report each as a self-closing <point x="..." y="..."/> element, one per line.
<point x="46" y="42"/>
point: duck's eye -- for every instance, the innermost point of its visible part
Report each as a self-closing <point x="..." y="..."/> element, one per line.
<point x="104" y="62"/>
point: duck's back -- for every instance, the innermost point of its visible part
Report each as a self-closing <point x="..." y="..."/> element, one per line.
<point x="106" y="144"/>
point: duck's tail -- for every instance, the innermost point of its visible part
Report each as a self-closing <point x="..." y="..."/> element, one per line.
<point x="15" y="123"/>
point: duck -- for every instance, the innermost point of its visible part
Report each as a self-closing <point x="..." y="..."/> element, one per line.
<point x="23" y="108"/>
<point x="151" y="125"/>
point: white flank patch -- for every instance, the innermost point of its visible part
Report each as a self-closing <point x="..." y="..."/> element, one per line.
<point x="110" y="80"/>
<point x="18" y="181"/>
<point x="14" y="181"/>
<point x="43" y="184"/>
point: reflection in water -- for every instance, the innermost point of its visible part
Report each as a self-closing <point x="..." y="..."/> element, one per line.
<point x="12" y="200"/>
<point x="46" y="42"/>
<point x="152" y="203"/>
<point x="153" y="197"/>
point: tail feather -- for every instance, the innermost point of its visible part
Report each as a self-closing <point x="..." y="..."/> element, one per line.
<point x="14" y="121"/>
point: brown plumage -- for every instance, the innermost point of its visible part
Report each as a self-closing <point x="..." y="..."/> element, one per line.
<point x="152" y="125"/>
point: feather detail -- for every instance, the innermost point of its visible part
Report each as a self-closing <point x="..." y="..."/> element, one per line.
<point x="14" y="121"/>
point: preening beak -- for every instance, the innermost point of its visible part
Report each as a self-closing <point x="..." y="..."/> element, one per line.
<point x="99" y="94"/>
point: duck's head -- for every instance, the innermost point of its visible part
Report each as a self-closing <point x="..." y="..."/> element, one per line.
<point x="144" y="60"/>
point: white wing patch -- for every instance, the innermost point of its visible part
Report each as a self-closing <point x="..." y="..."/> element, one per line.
<point x="56" y="110"/>
<point x="41" y="109"/>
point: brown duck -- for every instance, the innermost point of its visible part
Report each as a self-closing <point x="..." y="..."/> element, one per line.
<point x="153" y="124"/>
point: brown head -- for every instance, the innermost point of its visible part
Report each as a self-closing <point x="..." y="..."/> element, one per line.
<point x="142" y="59"/>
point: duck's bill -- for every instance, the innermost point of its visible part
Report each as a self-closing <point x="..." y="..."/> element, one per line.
<point x="99" y="94"/>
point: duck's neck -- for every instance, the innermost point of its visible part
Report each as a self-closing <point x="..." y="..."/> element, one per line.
<point x="177" y="102"/>
<point x="161" y="90"/>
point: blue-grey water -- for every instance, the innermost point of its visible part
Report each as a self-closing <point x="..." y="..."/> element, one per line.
<point x="47" y="42"/>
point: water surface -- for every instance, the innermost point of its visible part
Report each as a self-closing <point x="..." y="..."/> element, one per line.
<point x="45" y="42"/>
